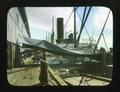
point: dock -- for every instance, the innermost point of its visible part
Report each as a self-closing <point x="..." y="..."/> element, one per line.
<point x="26" y="76"/>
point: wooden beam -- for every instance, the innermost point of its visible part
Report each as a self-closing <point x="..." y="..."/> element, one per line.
<point x="97" y="77"/>
<point x="44" y="70"/>
<point x="52" y="74"/>
<point x="56" y="77"/>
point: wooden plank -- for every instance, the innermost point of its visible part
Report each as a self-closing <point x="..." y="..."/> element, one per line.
<point x="56" y="77"/>
<point x="25" y="77"/>
<point x="97" y="77"/>
<point x="75" y="81"/>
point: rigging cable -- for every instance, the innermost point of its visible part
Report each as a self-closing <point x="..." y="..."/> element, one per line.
<point x="83" y="16"/>
<point x="82" y="21"/>
<point x="68" y="19"/>
<point x="101" y="33"/>
<point x="83" y="26"/>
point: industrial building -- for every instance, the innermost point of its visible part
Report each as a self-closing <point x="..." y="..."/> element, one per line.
<point x="17" y="28"/>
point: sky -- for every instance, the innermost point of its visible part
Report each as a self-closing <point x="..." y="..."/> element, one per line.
<point x="40" y="22"/>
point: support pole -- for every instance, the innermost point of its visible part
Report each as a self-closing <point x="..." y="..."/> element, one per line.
<point x="103" y="59"/>
<point x="44" y="71"/>
<point x="74" y="27"/>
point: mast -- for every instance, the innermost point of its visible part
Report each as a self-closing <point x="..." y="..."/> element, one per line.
<point x="84" y="19"/>
<point x="52" y="35"/>
<point x="75" y="27"/>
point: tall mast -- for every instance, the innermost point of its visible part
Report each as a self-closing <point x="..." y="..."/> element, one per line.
<point x="52" y="35"/>
<point x="53" y="29"/>
<point x="75" y="27"/>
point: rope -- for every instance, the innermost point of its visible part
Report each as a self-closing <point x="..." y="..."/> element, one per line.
<point x="68" y="19"/>
<point x="84" y="26"/>
<point x="101" y="32"/>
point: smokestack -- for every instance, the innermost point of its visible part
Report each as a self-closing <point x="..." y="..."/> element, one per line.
<point x="60" y="32"/>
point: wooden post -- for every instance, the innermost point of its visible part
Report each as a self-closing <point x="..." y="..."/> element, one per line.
<point x="43" y="77"/>
<point x="13" y="55"/>
<point x="103" y="59"/>
<point x="9" y="56"/>
<point x="17" y="56"/>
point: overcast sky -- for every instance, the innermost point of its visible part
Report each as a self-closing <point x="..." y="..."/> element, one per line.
<point x="40" y="22"/>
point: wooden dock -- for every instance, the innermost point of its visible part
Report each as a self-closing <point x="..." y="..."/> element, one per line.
<point x="23" y="76"/>
<point x="29" y="76"/>
<point x="87" y="81"/>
